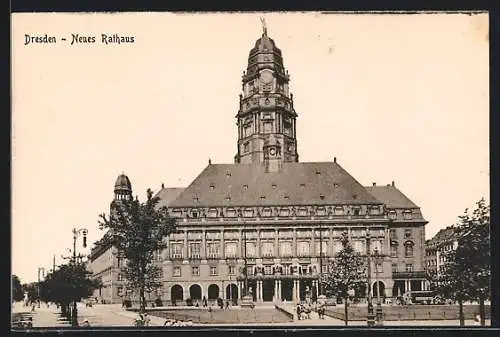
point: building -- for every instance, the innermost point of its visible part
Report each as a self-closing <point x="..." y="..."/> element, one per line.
<point x="436" y="249"/>
<point x="279" y="219"/>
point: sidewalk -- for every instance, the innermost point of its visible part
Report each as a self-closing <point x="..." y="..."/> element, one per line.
<point x="43" y="316"/>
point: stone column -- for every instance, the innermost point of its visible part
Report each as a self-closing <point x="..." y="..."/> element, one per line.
<point x="294" y="292"/>
<point x="276" y="244"/>
<point x="259" y="293"/>
<point x="186" y="250"/>
<point x="294" y="243"/>
<point x="241" y="253"/>
<point x="422" y="285"/>
<point x="279" y="290"/>
<point x="275" y="289"/>
<point x="222" y="249"/>
<point x="258" y="244"/>
<point x="204" y="245"/>
<point x="316" y="283"/>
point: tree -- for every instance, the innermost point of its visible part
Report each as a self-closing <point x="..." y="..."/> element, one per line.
<point x="466" y="273"/>
<point x="17" y="289"/>
<point x="32" y="290"/>
<point x="137" y="231"/>
<point x="70" y="283"/>
<point x="346" y="272"/>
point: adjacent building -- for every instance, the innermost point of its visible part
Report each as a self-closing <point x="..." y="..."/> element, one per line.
<point x="269" y="223"/>
<point x="436" y="249"/>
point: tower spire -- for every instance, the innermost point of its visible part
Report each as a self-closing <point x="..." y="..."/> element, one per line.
<point x="264" y="27"/>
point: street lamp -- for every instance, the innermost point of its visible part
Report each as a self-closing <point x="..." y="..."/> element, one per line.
<point x="370" y="317"/>
<point x="76" y="234"/>
<point x="378" y="260"/>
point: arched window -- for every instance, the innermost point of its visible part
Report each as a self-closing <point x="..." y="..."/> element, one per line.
<point x="409" y="250"/>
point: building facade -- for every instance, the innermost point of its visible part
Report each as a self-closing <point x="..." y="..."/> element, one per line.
<point x="268" y="225"/>
<point x="436" y="249"/>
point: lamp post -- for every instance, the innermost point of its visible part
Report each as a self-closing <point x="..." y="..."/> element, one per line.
<point x="370" y="317"/>
<point x="76" y="234"/>
<point x="378" y="259"/>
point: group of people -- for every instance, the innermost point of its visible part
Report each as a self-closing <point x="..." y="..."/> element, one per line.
<point x="176" y="322"/>
<point x="304" y="310"/>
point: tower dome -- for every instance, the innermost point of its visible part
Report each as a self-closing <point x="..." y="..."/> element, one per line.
<point x="123" y="187"/>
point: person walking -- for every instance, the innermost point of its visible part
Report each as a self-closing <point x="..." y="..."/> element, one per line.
<point x="204" y="302"/>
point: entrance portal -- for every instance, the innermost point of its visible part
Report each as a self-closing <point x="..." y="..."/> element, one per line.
<point x="232" y="292"/>
<point x="176" y="293"/>
<point x="267" y="290"/>
<point x="195" y="292"/>
<point x="287" y="289"/>
<point x="305" y="289"/>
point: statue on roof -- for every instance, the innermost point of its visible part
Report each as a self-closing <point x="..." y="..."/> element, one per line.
<point x="264" y="27"/>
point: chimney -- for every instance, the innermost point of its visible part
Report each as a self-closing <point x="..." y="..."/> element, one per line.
<point x="374" y="184"/>
<point x="209" y="161"/>
<point x="393" y="183"/>
<point x="162" y="185"/>
<point x="334" y="159"/>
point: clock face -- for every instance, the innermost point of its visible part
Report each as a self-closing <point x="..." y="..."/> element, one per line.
<point x="266" y="77"/>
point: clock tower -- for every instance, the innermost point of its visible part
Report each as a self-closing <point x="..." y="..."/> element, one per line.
<point x="266" y="117"/>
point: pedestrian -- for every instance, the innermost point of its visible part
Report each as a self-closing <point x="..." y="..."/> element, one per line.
<point x="299" y="311"/>
<point x="227" y="304"/>
<point x="33" y="308"/>
<point x="204" y="301"/>
<point x="146" y="319"/>
<point x="477" y="319"/>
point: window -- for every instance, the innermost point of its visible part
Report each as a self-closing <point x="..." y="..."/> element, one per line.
<point x="119" y="277"/>
<point x="392" y="234"/>
<point x="268" y="270"/>
<point x="231" y="249"/>
<point x="231" y="270"/>
<point x="394" y="251"/>
<point x="213" y="251"/>
<point x="176" y="250"/>
<point x="409" y="267"/>
<point x="356" y="210"/>
<point x="245" y="187"/>
<point x="394" y="267"/>
<point x="407" y="215"/>
<point x="251" y="249"/>
<point x="285" y="249"/>
<point x="119" y="291"/>
<point x="212" y="186"/>
<point x="324" y="269"/>
<point x="324" y="246"/>
<point x="392" y="214"/>
<point x="213" y="271"/>
<point x="322" y="196"/>
<point x="379" y="267"/>
<point x="359" y="246"/>
<point x="177" y="272"/>
<point x="408" y="251"/>
<point x="303" y="248"/>
<point x="304" y="269"/>
<point x="274" y="186"/>
<point x="195" y="250"/>
<point x="268" y="249"/>
<point x="195" y="271"/>
<point x="376" y="246"/>
<point x="337" y="246"/>
<point x="407" y="233"/>
<point x="339" y="210"/>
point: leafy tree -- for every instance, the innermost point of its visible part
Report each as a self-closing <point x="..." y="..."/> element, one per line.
<point x="466" y="273"/>
<point x="137" y="231"/>
<point x="70" y="283"/>
<point x="17" y="289"/>
<point x="32" y="290"/>
<point x="346" y="272"/>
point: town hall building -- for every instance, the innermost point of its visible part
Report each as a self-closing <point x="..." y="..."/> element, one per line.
<point x="267" y="225"/>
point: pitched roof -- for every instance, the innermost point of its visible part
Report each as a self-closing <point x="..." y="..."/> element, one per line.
<point x="167" y="195"/>
<point x="312" y="183"/>
<point x="391" y="196"/>
<point x="444" y="235"/>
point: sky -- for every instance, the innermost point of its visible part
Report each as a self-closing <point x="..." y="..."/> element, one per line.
<point x="392" y="97"/>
